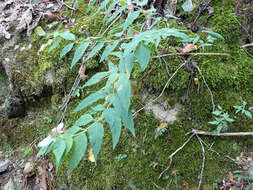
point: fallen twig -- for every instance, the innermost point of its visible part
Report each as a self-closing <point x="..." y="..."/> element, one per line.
<point x="165" y="86"/>
<point x="247" y="45"/>
<point x="198" y="132"/>
<point x="203" y="162"/>
<point x="193" y="54"/>
<point x="210" y="92"/>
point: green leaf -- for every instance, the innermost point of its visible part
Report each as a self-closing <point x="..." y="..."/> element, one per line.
<point x="68" y="142"/>
<point x="109" y="10"/>
<point x="58" y="150"/>
<point x="42" y="151"/>
<point x="108" y="50"/>
<point x="72" y="130"/>
<point x="248" y="114"/>
<point x="96" y="78"/>
<point x="66" y="49"/>
<point x="83" y="120"/>
<point x="113" y="119"/>
<point x="95" y="50"/>
<point x="142" y="54"/>
<point x="96" y="109"/>
<point x="213" y="122"/>
<point x="96" y="133"/>
<point x="79" y="53"/>
<point x="217" y="112"/>
<point x="126" y="64"/>
<point x="196" y="39"/>
<point x="78" y="150"/>
<point x="90" y="100"/>
<point x="112" y="67"/>
<point x="112" y="78"/>
<point x="56" y="43"/>
<point x="102" y="6"/>
<point x="67" y="36"/>
<point x="213" y="34"/>
<point x="188" y="6"/>
<point x="116" y="13"/>
<point x="91" y="5"/>
<point x="130" y="19"/>
<point x="142" y="3"/>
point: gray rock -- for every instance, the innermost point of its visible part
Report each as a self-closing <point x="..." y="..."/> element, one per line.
<point x="4" y="165"/>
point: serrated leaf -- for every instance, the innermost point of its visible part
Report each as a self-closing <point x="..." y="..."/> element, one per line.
<point x="108" y="50"/>
<point x="114" y="121"/>
<point x="58" y="150"/>
<point x="116" y="13"/>
<point x="96" y="78"/>
<point x="188" y="6"/>
<point x="90" y="100"/>
<point x="142" y="3"/>
<point x="72" y="130"/>
<point x="142" y="54"/>
<point x="42" y="151"/>
<point x="98" y="47"/>
<point x="83" y="120"/>
<point x="248" y="114"/>
<point x="130" y="19"/>
<point x="78" y="150"/>
<point x="109" y="10"/>
<point x="213" y="34"/>
<point x="67" y="36"/>
<point x="56" y="43"/>
<point x="79" y="53"/>
<point x="68" y="142"/>
<point x="112" y="67"/>
<point x="102" y="6"/>
<point x="126" y="64"/>
<point x="66" y="49"/>
<point x="96" y="133"/>
<point x="91" y="5"/>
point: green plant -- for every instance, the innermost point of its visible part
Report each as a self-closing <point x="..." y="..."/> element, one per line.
<point x="246" y="176"/>
<point x="222" y="119"/>
<point x="243" y="110"/>
<point x="111" y="104"/>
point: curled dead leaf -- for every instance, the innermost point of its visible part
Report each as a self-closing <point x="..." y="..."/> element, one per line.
<point x="187" y="48"/>
<point x="161" y="126"/>
<point x="51" y="16"/>
<point x="85" y="27"/>
<point x="91" y="156"/>
<point x="82" y="71"/>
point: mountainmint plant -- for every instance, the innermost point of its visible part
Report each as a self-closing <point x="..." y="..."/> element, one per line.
<point x="113" y="109"/>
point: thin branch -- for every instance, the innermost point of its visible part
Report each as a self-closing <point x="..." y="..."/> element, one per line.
<point x="193" y="54"/>
<point x="111" y="24"/>
<point x="173" y="154"/>
<point x="165" y="86"/>
<point x="203" y="162"/>
<point x="247" y="45"/>
<point x="198" y="132"/>
<point x="210" y="92"/>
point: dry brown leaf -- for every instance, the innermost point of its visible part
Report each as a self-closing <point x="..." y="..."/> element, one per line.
<point x="230" y="176"/>
<point x="161" y="126"/>
<point x="82" y="71"/>
<point x="85" y="27"/>
<point x="42" y="178"/>
<point x="91" y="156"/>
<point x="187" y="48"/>
<point x="51" y="16"/>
